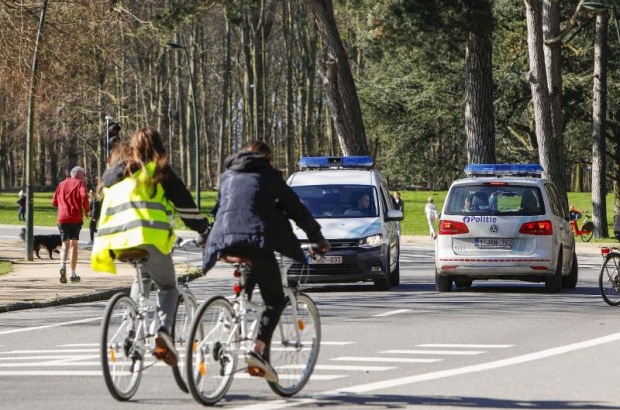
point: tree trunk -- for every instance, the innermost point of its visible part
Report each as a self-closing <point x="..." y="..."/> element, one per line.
<point x="537" y="77"/>
<point x="225" y="100"/>
<point x="289" y="138"/>
<point x="553" y="66"/>
<point x="339" y="84"/>
<point x="479" y="115"/>
<point x="599" y="127"/>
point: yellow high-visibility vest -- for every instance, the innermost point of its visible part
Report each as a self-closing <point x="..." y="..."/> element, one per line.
<point x="131" y="217"/>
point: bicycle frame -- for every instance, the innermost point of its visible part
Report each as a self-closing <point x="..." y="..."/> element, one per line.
<point x="575" y="226"/>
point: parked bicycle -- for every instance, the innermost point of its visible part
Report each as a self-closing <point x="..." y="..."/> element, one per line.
<point x="587" y="227"/>
<point x="129" y="330"/>
<point x="609" y="277"/>
<point x="223" y="331"/>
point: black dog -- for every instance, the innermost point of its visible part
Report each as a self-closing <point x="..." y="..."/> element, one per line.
<point x="49" y="242"/>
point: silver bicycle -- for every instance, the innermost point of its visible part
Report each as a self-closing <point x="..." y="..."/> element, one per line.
<point x="222" y="333"/>
<point x="129" y="330"/>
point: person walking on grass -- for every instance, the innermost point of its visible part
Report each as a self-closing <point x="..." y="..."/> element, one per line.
<point x="431" y="215"/>
<point x="71" y="199"/>
<point x="21" y="215"/>
<point x="400" y="206"/>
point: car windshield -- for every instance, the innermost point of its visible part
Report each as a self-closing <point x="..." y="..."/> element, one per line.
<point x="486" y="199"/>
<point x="339" y="201"/>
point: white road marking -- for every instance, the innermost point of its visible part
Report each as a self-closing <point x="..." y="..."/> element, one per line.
<point x="314" y="377"/>
<point x="28" y="329"/>
<point x="51" y="373"/>
<point x="51" y="351"/>
<point x="402" y="381"/>
<point x="82" y="357"/>
<point x="466" y="346"/>
<point x="435" y="352"/>
<point x="337" y="343"/>
<point x="393" y="312"/>
<point x="68" y="364"/>
<point x="339" y="367"/>
<point x="386" y="359"/>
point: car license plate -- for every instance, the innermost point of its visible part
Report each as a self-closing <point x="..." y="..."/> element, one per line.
<point x="497" y="243"/>
<point x="325" y="260"/>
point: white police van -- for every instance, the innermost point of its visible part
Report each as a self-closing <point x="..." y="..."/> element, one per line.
<point x="352" y="204"/>
<point x="505" y="222"/>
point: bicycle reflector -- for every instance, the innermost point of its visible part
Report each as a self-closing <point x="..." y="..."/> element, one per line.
<point x="452" y="228"/>
<point x="364" y="162"/>
<point x="516" y="170"/>
<point x="537" y="228"/>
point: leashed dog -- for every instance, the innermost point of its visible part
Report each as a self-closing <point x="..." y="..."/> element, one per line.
<point x="49" y="242"/>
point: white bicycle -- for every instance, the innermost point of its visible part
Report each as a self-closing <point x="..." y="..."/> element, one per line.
<point x="129" y="330"/>
<point x="223" y="331"/>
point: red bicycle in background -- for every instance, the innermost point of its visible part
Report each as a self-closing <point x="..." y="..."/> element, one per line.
<point x="587" y="227"/>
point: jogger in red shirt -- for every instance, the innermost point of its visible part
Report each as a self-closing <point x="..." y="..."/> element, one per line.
<point x="70" y="198"/>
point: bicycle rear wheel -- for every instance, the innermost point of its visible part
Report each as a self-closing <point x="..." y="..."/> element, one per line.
<point x="294" y="347"/>
<point x="180" y="331"/>
<point x="586" y="236"/>
<point x="121" y="361"/>
<point x="609" y="279"/>
<point x="209" y="365"/>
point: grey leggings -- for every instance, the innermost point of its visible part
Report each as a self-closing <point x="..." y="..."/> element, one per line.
<point x="160" y="269"/>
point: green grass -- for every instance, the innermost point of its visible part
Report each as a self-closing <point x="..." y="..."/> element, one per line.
<point x="413" y="224"/>
<point x="5" y="267"/>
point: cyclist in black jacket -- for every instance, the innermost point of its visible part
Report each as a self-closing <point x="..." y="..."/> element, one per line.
<point x="252" y="221"/>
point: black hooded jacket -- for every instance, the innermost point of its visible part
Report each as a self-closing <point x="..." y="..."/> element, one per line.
<point x="254" y="207"/>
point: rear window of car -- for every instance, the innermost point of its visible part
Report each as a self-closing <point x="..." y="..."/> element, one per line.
<point x="495" y="200"/>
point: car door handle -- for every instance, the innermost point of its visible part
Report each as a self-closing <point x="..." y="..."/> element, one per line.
<point x="561" y="227"/>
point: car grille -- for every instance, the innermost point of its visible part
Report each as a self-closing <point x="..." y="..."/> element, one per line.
<point x="341" y="244"/>
<point x="340" y="269"/>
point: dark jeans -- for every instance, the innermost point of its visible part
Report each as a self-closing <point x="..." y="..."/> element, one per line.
<point x="266" y="273"/>
<point x="22" y="214"/>
<point x="93" y="228"/>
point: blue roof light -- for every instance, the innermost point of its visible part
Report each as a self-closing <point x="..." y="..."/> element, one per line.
<point x="503" y="170"/>
<point x="336" y="162"/>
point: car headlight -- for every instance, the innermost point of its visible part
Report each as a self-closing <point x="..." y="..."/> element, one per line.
<point x="370" y="241"/>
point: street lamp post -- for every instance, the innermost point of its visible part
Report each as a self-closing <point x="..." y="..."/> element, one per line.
<point x="196" y="134"/>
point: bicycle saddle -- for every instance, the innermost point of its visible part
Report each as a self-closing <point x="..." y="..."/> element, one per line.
<point x="225" y="257"/>
<point x="132" y="254"/>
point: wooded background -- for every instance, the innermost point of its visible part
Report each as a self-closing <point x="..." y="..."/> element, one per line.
<point x="263" y="70"/>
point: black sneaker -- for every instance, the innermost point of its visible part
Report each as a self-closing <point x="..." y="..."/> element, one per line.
<point x="128" y="345"/>
<point x="63" y="274"/>
<point x="255" y="359"/>
<point x="75" y="279"/>
<point x="164" y="348"/>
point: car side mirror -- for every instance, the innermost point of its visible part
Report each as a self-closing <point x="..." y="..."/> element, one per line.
<point x="394" y="215"/>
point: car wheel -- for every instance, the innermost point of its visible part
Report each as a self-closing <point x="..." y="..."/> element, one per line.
<point x="443" y="283"/>
<point x="463" y="283"/>
<point x="553" y="284"/>
<point x="395" y="275"/>
<point x="570" y="282"/>
<point x="385" y="282"/>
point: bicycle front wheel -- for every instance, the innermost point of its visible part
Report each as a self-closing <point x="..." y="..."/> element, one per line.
<point x="183" y="317"/>
<point x="295" y="345"/>
<point x="609" y="279"/>
<point x="121" y="359"/>
<point x="209" y="363"/>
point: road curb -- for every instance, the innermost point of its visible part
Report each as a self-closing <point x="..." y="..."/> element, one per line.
<point x="104" y="294"/>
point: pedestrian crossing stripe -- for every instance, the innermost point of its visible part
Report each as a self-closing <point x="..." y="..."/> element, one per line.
<point x="386" y="359"/>
<point x="436" y="352"/>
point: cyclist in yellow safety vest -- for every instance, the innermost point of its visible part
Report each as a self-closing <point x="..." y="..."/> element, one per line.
<point x="141" y="193"/>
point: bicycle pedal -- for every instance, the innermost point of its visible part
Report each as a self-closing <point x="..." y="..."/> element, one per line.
<point x="256" y="371"/>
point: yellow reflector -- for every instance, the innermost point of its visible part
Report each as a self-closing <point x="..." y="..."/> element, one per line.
<point x="112" y="355"/>
<point x="202" y="369"/>
<point x="301" y="325"/>
<point x="195" y="347"/>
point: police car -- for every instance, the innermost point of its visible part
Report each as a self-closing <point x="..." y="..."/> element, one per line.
<point x="352" y="204"/>
<point x="505" y="222"/>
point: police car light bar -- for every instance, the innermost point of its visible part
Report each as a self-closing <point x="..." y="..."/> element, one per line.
<point x="533" y="170"/>
<point x="336" y="162"/>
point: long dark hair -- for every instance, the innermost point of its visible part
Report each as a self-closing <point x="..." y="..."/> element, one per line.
<point x="146" y="146"/>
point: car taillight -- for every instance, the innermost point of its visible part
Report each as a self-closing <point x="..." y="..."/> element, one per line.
<point x="537" y="228"/>
<point x="605" y="251"/>
<point x="452" y="228"/>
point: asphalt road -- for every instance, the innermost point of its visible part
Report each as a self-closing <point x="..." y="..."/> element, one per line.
<point x="496" y="345"/>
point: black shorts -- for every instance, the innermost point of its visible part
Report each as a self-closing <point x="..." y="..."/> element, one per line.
<point x="70" y="231"/>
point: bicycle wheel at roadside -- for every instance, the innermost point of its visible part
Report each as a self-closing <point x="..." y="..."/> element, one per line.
<point x="609" y="279"/>
<point x="295" y="345"/>
<point x="184" y="314"/>
<point x="121" y="358"/>
<point x="209" y="362"/>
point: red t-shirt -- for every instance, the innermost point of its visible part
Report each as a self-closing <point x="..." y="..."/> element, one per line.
<point x="70" y="197"/>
